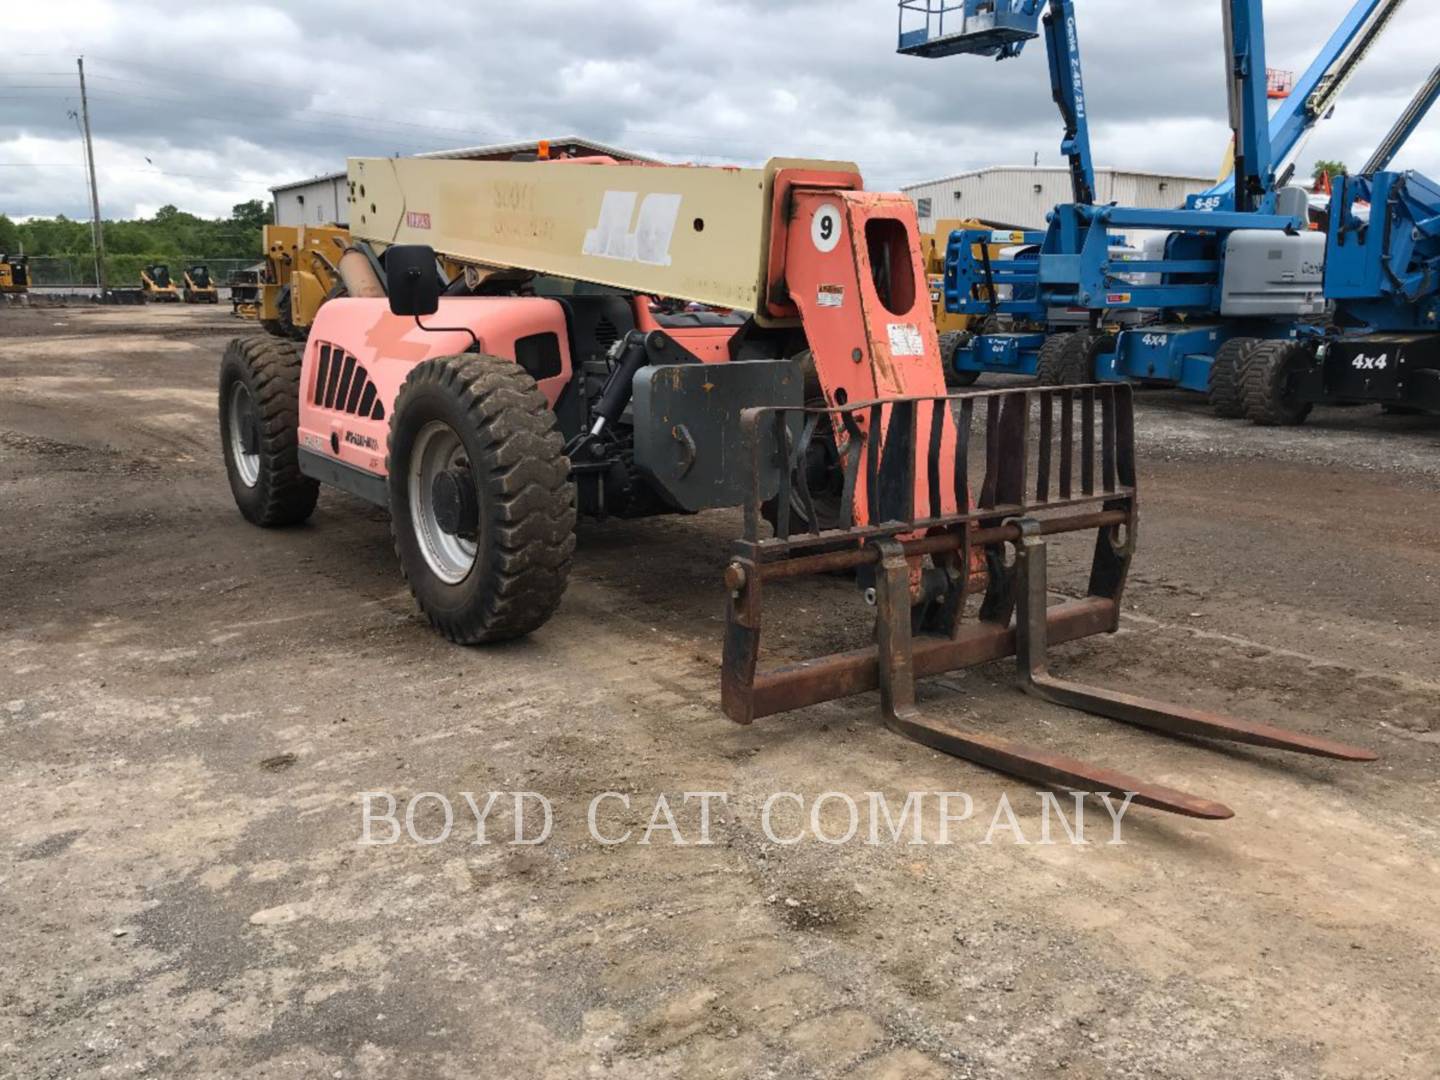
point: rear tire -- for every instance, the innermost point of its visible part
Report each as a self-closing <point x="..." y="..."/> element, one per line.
<point x="1267" y="383"/>
<point x="1071" y="361"/>
<point x="481" y="425"/>
<point x="1050" y="370"/>
<point x="259" y="431"/>
<point x="1226" y="375"/>
<point x="950" y="344"/>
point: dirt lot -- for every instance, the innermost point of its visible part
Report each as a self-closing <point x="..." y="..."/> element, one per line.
<point x="191" y="708"/>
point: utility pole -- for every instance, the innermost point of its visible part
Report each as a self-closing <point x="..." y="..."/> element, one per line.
<point x="99" y="230"/>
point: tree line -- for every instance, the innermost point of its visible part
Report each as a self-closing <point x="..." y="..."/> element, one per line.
<point x="172" y="236"/>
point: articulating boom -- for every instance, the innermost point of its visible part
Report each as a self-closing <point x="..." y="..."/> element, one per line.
<point x="986" y="28"/>
<point x="1315" y="92"/>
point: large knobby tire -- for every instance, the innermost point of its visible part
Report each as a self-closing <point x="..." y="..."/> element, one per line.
<point x="1226" y="373"/>
<point x="482" y="509"/>
<point x="950" y="344"/>
<point x="1268" y="383"/>
<point x="1082" y="352"/>
<point x="259" y="431"/>
<point x="1049" y="369"/>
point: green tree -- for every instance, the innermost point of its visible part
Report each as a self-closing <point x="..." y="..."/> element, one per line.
<point x="9" y="235"/>
<point x="253" y="214"/>
<point x="1331" y="169"/>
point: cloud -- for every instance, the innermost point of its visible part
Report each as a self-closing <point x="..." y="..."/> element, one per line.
<point x="227" y="101"/>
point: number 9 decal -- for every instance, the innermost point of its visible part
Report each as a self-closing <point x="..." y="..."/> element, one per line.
<point x="825" y="227"/>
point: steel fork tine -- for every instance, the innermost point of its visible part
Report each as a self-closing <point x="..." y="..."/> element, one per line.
<point x="897" y="704"/>
<point x="1030" y="652"/>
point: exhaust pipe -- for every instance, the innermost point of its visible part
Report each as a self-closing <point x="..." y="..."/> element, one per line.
<point x="358" y="273"/>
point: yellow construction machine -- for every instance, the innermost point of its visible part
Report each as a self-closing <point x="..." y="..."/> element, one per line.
<point x="157" y="286"/>
<point x="199" y="286"/>
<point x="14" y="274"/>
<point x="299" y="275"/>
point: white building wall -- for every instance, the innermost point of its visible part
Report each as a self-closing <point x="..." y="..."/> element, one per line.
<point x="322" y="201"/>
<point x="1024" y="196"/>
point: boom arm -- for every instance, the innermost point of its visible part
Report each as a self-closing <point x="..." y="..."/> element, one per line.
<point x="983" y="28"/>
<point x="1316" y="92"/>
<point x="1067" y="85"/>
<point x="1409" y="120"/>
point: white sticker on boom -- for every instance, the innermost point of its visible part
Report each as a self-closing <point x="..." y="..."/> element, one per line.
<point x="611" y="238"/>
<point x="905" y="339"/>
<point x="825" y="227"/>
<point x="831" y="296"/>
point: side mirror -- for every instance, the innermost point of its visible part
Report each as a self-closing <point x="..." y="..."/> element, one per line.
<point x="414" y="283"/>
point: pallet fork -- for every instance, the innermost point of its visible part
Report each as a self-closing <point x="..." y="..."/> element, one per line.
<point x="1038" y="478"/>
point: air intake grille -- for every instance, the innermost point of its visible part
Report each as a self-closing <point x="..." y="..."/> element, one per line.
<point x="344" y="385"/>
<point x="606" y="334"/>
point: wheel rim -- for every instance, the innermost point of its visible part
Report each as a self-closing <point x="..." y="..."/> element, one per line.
<point x="438" y="449"/>
<point x="244" y="428"/>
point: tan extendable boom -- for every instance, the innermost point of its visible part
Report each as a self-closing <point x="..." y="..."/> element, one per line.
<point x="698" y="233"/>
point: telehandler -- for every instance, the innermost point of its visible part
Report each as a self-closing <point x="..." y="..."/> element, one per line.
<point x="565" y="372"/>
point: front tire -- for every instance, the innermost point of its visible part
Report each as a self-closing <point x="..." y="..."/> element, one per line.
<point x="482" y="509"/>
<point x="1226" y="375"/>
<point x="1268" y="384"/>
<point x="950" y="344"/>
<point x="259" y="431"/>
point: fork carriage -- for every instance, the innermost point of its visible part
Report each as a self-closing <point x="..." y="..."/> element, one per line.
<point x="1050" y="461"/>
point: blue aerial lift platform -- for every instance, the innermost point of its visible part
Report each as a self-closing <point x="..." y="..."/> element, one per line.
<point x="1184" y="320"/>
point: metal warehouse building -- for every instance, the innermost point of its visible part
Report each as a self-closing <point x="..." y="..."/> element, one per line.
<point x="322" y="200"/>
<point x="1021" y="196"/>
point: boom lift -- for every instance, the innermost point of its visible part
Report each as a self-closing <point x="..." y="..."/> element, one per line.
<point x="1399" y="134"/>
<point x="1382" y="273"/>
<point x="1205" y="288"/>
<point x="1315" y="93"/>
<point x="549" y="380"/>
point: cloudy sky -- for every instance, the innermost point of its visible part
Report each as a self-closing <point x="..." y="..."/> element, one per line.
<point x="204" y="105"/>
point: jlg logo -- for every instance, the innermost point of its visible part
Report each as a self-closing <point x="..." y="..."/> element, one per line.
<point x="611" y="238"/>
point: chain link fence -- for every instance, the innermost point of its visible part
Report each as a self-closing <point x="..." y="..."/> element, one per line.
<point x="123" y="271"/>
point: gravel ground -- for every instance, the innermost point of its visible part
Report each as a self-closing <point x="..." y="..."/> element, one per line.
<point x="191" y="709"/>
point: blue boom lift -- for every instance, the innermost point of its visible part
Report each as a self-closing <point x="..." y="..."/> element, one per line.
<point x="1382" y="273"/>
<point x="1215" y="279"/>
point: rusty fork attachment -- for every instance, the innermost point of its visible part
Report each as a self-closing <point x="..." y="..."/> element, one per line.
<point x="1048" y="461"/>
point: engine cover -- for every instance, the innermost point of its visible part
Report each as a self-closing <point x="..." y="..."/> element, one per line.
<point x="1270" y="273"/>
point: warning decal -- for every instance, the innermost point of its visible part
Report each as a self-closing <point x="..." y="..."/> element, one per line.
<point x="905" y="339"/>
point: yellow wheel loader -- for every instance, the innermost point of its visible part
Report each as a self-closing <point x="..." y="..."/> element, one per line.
<point x="299" y="275"/>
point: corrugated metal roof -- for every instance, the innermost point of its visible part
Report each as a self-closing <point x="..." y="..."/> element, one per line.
<point x="488" y="151"/>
